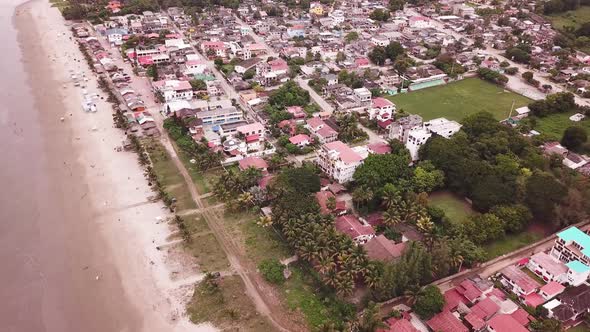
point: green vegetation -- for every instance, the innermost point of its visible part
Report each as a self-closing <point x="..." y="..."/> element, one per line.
<point x="455" y="208"/>
<point x="272" y="270"/>
<point x="553" y="126"/>
<point x="429" y="302"/>
<point x="572" y="18"/>
<point x="224" y="303"/>
<point x="580" y="328"/>
<point x="510" y="243"/>
<point x="457" y="100"/>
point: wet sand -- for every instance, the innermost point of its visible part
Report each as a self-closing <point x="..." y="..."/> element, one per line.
<point x="77" y="232"/>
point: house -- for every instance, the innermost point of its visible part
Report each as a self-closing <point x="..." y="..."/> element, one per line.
<point x="352" y="226"/>
<point x="446" y="322"/>
<point x="505" y="323"/>
<point x="442" y="127"/>
<point x="362" y="95"/>
<point x="572" y="245"/>
<point x="400" y="129"/>
<point x="571" y="304"/>
<point x="517" y="281"/>
<point x="220" y="115"/>
<point x="338" y="161"/>
<point x="255" y="162"/>
<point x="419" y="22"/>
<point x="416" y="138"/>
<point x="297" y="112"/>
<point x="381" y="110"/>
<point x="382" y="249"/>
<point x="551" y="290"/>
<point x="174" y="89"/>
<point x="547" y="267"/>
<point x="379" y="148"/>
<point x="402" y="324"/>
<point x="316" y="8"/>
<point x="255" y="128"/>
<point x="300" y="140"/>
<point x="324" y="133"/>
<point x="115" y="36"/>
<point x="323" y="197"/>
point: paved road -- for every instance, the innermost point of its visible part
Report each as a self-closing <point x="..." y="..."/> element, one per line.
<point x="269" y="50"/>
<point x="324" y="105"/>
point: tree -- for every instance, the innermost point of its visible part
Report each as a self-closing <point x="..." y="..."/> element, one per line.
<point x="527" y="75"/>
<point x="394" y="50"/>
<point x="249" y="74"/>
<point x="272" y="270"/>
<point x="351" y="36"/>
<point x="483" y="228"/>
<point x="395" y="5"/>
<point x="198" y="85"/>
<point x="379" y="15"/>
<point x="429" y="302"/>
<point x="362" y="195"/>
<point x="152" y="72"/>
<point x="574" y="137"/>
<point x="515" y="217"/>
<point x="378" y="170"/>
<point x="369" y="320"/>
<point x="218" y="62"/>
<point x="377" y="55"/>
<point x="546" y="325"/>
<point x="543" y="192"/>
<point x="427" y="178"/>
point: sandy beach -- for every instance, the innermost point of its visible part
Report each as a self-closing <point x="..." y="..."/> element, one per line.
<point x="92" y="207"/>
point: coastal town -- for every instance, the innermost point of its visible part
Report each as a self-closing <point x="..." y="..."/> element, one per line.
<point x="374" y="165"/>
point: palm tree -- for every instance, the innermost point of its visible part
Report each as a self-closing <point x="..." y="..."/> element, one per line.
<point x="245" y="200"/>
<point x="362" y="195"/>
<point x="390" y="196"/>
<point x="369" y="321"/>
<point x="264" y="221"/>
<point x="325" y="263"/>
<point x="411" y="294"/>
<point x="457" y="260"/>
<point x="391" y="217"/>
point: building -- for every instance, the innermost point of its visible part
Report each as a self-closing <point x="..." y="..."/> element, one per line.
<point x="254" y="162"/>
<point x="338" y="161"/>
<point x="571" y="304"/>
<point x="362" y="95"/>
<point x="220" y="115"/>
<point x="573" y="246"/>
<point x="321" y="130"/>
<point x="382" y="249"/>
<point x="300" y="140"/>
<point x="381" y="110"/>
<point x="354" y="228"/>
<point x="505" y="323"/>
<point x="446" y="322"/>
<point x="255" y="128"/>
<point x="174" y="89"/>
<point x="400" y="129"/>
<point x="416" y="138"/>
<point x="442" y="127"/>
<point x="547" y="267"/>
<point x="518" y="282"/>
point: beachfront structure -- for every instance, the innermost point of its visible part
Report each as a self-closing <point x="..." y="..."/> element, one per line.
<point x="416" y="138"/>
<point x="220" y="115"/>
<point x="174" y="89"/>
<point x="400" y="129"/>
<point x="442" y="127"/>
<point x="572" y="246"/>
<point x="338" y="161"/>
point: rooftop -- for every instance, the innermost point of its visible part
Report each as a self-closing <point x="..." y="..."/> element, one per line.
<point x="506" y="323"/>
<point x="576" y="235"/>
<point x="577" y="266"/>
<point x="520" y="278"/>
<point x="345" y="153"/>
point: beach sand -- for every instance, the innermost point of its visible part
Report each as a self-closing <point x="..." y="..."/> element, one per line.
<point x="112" y="277"/>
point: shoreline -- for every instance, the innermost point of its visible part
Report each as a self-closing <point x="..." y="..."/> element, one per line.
<point x="123" y="281"/>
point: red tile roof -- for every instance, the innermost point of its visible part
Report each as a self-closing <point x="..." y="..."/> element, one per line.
<point x="521" y="316"/>
<point x="400" y="325"/>
<point x="351" y="226"/>
<point x="252" y="138"/>
<point x="446" y="322"/>
<point x="297" y="139"/>
<point x="255" y="162"/>
<point x="345" y="153"/>
<point x="380" y="102"/>
<point x="452" y="299"/>
<point x="485" y="308"/>
<point x="526" y="283"/>
<point x="506" y="323"/>
<point x="379" y="148"/>
<point x="468" y="289"/>
<point x="475" y="321"/>
<point x="382" y="249"/>
<point x="534" y="299"/>
<point x="552" y="288"/>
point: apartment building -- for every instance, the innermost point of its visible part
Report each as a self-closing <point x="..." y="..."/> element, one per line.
<point x="338" y="161"/>
<point x="174" y="89"/>
<point x="400" y="129"/>
<point x="221" y="115"/>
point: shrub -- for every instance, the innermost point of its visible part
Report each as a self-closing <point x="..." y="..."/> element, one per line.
<point x="272" y="270"/>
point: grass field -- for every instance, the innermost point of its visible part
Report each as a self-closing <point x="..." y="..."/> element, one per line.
<point x="554" y="125"/>
<point x="510" y="243"/>
<point x="455" y="208"/>
<point x="457" y="100"/>
<point x="580" y="328"/>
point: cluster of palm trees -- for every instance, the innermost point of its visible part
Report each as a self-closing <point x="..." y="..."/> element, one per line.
<point x="339" y="262"/>
<point x="233" y="187"/>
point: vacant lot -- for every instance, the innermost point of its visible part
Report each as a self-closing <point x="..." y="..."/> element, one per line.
<point x="456" y="209"/>
<point x="457" y="100"/>
<point x="554" y="125"/>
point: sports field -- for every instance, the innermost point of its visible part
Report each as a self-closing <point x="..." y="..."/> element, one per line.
<point x="457" y="100"/>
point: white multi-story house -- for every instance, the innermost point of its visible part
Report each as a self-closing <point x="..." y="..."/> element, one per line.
<point x="442" y="127"/>
<point x="416" y="138"/>
<point x="572" y="246"/>
<point x="400" y="129"/>
<point x="220" y="115"/>
<point x="337" y="16"/>
<point x="382" y="109"/>
<point x="362" y="95"/>
<point x="338" y="161"/>
<point x="251" y="129"/>
<point x="547" y="267"/>
<point x="174" y="89"/>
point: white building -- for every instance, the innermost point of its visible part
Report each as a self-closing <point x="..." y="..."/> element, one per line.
<point x="382" y="109"/>
<point x="572" y="246"/>
<point x="547" y="267"/>
<point x="416" y="138"/>
<point x="362" y="95"/>
<point x="400" y="129"/>
<point x="337" y="16"/>
<point x="338" y="161"/>
<point x="174" y="89"/>
<point x="442" y="127"/>
<point x="220" y="115"/>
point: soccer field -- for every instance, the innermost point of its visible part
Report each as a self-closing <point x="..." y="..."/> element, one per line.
<point x="457" y="100"/>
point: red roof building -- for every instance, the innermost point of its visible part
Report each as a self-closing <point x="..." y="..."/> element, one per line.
<point x="379" y="148"/>
<point x="505" y="323"/>
<point x="399" y="325"/>
<point x="485" y="308"/>
<point x="474" y="321"/>
<point x="551" y="290"/>
<point x="255" y="162"/>
<point x="519" y="281"/>
<point x="382" y="249"/>
<point x="468" y="289"/>
<point x="323" y="196"/>
<point x="452" y="299"/>
<point x="352" y="226"/>
<point x="446" y="322"/>
<point x="534" y="299"/>
<point x="300" y="140"/>
<point x="521" y="316"/>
